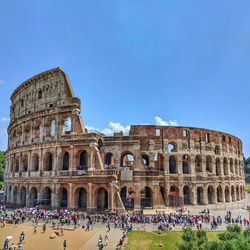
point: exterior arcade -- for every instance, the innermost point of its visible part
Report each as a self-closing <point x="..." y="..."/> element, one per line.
<point x="53" y="161"/>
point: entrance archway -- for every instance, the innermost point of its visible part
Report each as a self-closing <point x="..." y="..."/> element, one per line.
<point x="146" y="198"/>
<point x="127" y="196"/>
<point x="81" y="198"/>
<point x="186" y="194"/>
<point x="63" y="196"/>
<point x="102" y="199"/>
<point x="174" y="197"/>
<point x="33" y="197"/>
<point x="46" y="197"/>
<point x="199" y="196"/>
<point x="23" y="197"/>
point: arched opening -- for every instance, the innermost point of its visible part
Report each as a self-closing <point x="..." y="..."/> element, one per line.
<point x="241" y="193"/>
<point x="25" y="163"/>
<point x="198" y="164"/>
<point x="219" y="194"/>
<point x="53" y="129"/>
<point x="237" y="193"/>
<point x="48" y="162"/>
<point x="127" y="196"/>
<point x="109" y="160"/>
<point x="186" y="194"/>
<point x="46" y="197"/>
<point x="33" y="197"/>
<point x="218" y="167"/>
<point x="127" y="160"/>
<point x="23" y="197"/>
<point x="210" y="195"/>
<point x="225" y="166"/>
<point x="15" y="195"/>
<point x="67" y="125"/>
<point x="146" y="198"/>
<point x="102" y="199"/>
<point x="63" y="197"/>
<point x="200" y="196"/>
<point x="35" y="163"/>
<point x="171" y="147"/>
<point x="209" y="164"/>
<point x="17" y="164"/>
<point x="81" y="195"/>
<point x="232" y="193"/>
<point x="227" y="194"/>
<point x="185" y="164"/>
<point x="65" y="162"/>
<point x="174" y="197"/>
<point x="145" y="160"/>
<point x="83" y="160"/>
<point x="172" y="165"/>
<point x="231" y="166"/>
<point x="236" y="166"/>
<point x="159" y="159"/>
<point x="217" y="150"/>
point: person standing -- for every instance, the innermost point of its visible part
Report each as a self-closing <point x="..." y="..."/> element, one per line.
<point x="106" y="240"/>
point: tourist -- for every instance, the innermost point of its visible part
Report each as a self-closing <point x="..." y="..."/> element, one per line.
<point x="100" y="242"/>
<point x="106" y="240"/>
<point x="6" y="244"/>
<point x="21" y="238"/>
<point x="12" y="247"/>
<point x="44" y="228"/>
<point x="108" y="226"/>
<point x="19" y="246"/>
<point x="64" y="245"/>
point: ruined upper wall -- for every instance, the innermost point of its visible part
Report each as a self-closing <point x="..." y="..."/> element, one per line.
<point x="185" y="134"/>
<point x="43" y="91"/>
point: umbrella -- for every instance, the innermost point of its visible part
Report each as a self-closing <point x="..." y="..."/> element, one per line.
<point x="9" y="237"/>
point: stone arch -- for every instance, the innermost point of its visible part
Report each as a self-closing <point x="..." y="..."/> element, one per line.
<point x="83" y="160"/>
<point x="63" y="197"/>
<point x="159" y="160"/>
<point x="171" y="147"/>
<point x="127" y="195"/>
<point x="81" y="199"/>
<point x="200" y="200"/>
<point x="16" y="164"/>
<point x="231" y="166"/>
<point x="209" y="164"/>
<point x="217" y="150"/>
<point x="48" y="161"/>
<point x="24" y="163"/>
<point x="63" y="160"/>
<point x="127" y="159"/>
<point x="233" y="193"/>
<point x="67" y="128"/>
<point x="218" y="167"/>
<point x="210" y="195"/>
<point x="237" y="193"/>
<point x="102" y="199"/>
<point x="174" y="196"/>
<point x="46" y="197"/>
<point x="186" y="195"/>
<point x="145" y="160"/>
<point x="225" y="166"/>
<point x="227" y="194"/>
<point x="236" y="167"/>
<point x="186" y="164"/>
<point x="15" y="194"/>
<point x="146" y="197"/>
<point x="33" y="197"/>
<point x="23" y="196"/>
<point x="198" y="164"/>
<point x="35" y="163"/>
<point x="53" y="128"/>
<point x="172" y="164"/>
<point x="109" y="160"/>
<point x="219" y="194"/>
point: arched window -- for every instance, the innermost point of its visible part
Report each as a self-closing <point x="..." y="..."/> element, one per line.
<point x="67" y="125"/>
<point x="53" y="128"/>
<point x="209" y="164"/>
<point x="171" y="148"/>
<point x="65" y="165"/>
<point x="172" y="165"/>
<point x="127" y="160"/>
<point x="185" y="164"/>
<point x="198" y="163"/>
<point x="35" y="163"/>
<point x="109" y="160"/>
<point x="83" y="160"/>
<point x="218" y="167"/>
<point x="145" y="160"/>
<point x="48" y="162"/>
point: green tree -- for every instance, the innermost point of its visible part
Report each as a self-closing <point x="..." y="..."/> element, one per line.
<point x="2" y="164"/>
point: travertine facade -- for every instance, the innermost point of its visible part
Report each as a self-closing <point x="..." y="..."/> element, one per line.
<point x="53" y="160"/>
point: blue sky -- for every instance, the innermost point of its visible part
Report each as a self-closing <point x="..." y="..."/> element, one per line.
<point x="132" y="61"/>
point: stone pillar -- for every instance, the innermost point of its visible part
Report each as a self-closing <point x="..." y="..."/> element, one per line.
<point x="112" y="193"/>
<point x="166" y="164"/>
<point x="223" y="194"/>
<point x="71" y="163"/>
<point x="193" y="195"/>
<point x="192" y="165"/>
<point x="205" y="196"/>
<point x="137" y="198"/>
<point x="27" y="202"/>
<point x="71" y="203"/>
<point x="90" y="198"/>
<point x="179" y="164"/>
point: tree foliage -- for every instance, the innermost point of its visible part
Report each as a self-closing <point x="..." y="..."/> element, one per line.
<point x="232" y="239"/>
<point x="2" y="164"/>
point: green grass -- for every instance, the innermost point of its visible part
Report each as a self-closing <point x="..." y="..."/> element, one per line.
<point x="141" y="240"/>
<point x="248" y="187"/>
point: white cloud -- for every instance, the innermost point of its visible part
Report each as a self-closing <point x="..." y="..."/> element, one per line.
<point x="2" y="81"/>
<point x="4" y="119"/>
<point x="116" y="127"/>
<point x="160" y="122"/>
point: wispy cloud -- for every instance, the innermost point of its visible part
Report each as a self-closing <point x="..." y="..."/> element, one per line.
<point x="2" y="81"/>
<point x="115" y="127"/>
<point x="4" y="119"/>
<point x="160" y="122"/>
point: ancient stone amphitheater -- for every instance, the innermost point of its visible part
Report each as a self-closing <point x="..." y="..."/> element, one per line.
<point x="53" y="161"/>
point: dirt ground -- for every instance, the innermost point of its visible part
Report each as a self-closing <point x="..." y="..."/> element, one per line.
<point x="41" y="241"/>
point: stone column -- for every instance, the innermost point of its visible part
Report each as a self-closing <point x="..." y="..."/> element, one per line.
<point x="71" y="203"/>
<point x="90" y="198"/>
<point x="27" y="202"/>
<point x="193" y="195"/>
<point x="166" y="164"/>
<point x="205" y="196"/>
<point x="137" y="198"/>
<point x="71" y="163"/>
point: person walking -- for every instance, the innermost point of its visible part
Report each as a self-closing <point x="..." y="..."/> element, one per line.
<point x="64" y="245"/>
<point x="106" y="240"/>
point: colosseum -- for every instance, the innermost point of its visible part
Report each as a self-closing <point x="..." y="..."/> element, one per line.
<point x="54" y="161"/>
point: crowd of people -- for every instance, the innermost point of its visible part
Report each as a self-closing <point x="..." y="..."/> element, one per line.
<point x="125" y="221"/>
